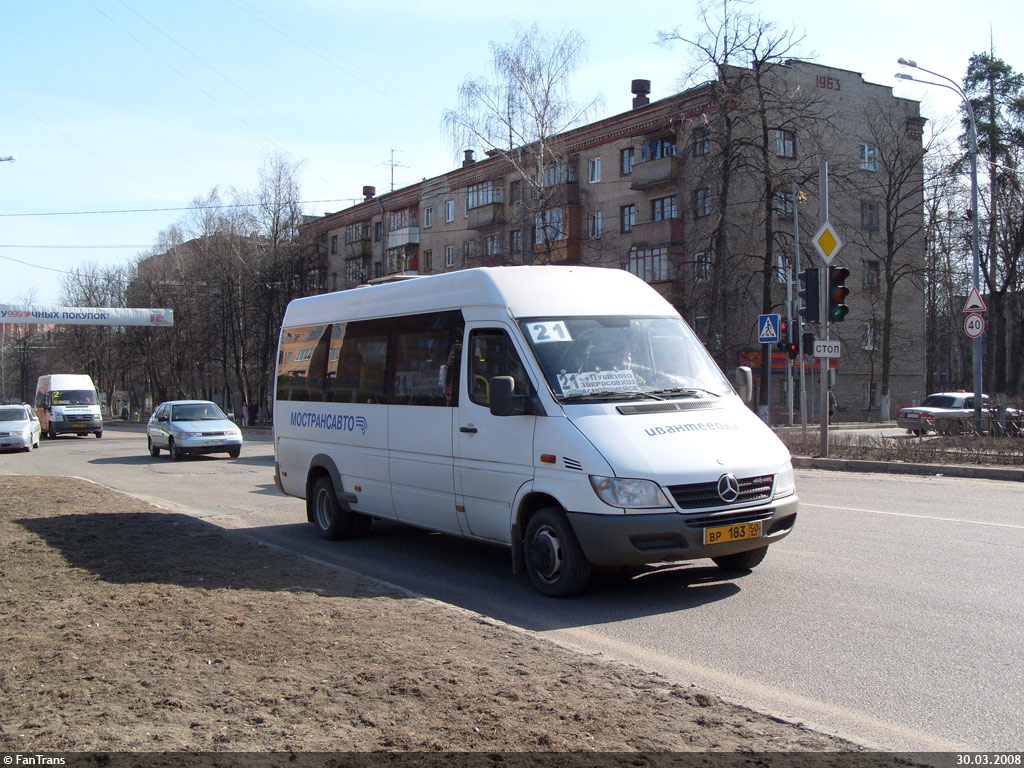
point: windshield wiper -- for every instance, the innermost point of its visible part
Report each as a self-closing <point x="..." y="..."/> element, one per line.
<point x="608" y="394"/>
<point x="684" y="391"/>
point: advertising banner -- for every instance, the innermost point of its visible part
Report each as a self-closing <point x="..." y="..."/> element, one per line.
<point x="42" y="315"/>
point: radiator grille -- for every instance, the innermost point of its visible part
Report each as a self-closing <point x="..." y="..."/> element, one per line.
<point x="705" y="495"/>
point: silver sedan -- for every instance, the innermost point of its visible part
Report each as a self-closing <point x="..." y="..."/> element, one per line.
<point x="182" y="427"/>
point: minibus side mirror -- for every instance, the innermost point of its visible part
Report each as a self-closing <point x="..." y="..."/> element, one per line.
<point x="744" y="383"/>
<point x="505" y="403"/>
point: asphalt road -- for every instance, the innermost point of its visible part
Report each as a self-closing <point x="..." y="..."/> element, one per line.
<point x="891" y="616"/>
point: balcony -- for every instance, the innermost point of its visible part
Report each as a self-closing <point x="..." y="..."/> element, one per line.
<point x="404" y="236"/>
<point x="664" y="232"/>
<point x="489" y="215"/>
<point x="655" y="173"/>
<point x="357" y="249"/>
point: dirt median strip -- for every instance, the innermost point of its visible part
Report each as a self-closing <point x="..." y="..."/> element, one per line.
<point x="128" y="628"/>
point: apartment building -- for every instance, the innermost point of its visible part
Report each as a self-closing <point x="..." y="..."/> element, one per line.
<point x="701" y="194"/>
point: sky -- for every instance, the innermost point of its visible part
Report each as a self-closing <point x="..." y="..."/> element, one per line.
<point x="122" y="112"/>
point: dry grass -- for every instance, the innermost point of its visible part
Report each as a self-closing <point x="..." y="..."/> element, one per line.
<point x="930" y="449"/>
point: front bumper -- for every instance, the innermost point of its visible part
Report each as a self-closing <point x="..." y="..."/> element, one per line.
<point x="616" y="540"/>
<point x="15" y="442"/>
<point x="77" y="426"/>
<point x="208" y="444"/>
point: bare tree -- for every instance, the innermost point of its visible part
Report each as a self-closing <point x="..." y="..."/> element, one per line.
<point x="891" y="229"/>
<point x="518" y="116"/>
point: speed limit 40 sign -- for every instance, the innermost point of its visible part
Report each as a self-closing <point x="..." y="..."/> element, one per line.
<point x="974" y="325"/>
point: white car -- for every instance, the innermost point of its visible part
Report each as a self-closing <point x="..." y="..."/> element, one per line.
<point x="182" y="427"/>
<point x="19" y="427"/>
<point x="946" y="413"/>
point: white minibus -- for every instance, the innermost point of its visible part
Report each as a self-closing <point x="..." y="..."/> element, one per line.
<point x="68" y="403"/>
<point x="566" y="412"/>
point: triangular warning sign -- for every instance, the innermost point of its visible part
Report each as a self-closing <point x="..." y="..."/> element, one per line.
<point x="768" y="330"/>
<point x="974" y="302"/>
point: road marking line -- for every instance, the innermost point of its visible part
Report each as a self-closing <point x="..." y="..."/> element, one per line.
<point x="920" y="517"/>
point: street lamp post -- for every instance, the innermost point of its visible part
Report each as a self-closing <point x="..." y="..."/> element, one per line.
<point x="951" y="85"/>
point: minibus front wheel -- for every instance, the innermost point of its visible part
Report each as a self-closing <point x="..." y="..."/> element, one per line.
<point x="553" y="557"/>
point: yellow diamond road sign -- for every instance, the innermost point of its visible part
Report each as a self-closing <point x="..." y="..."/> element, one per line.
<point x="827" y="242"/>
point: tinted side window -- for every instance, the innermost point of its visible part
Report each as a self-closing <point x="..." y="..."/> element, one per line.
<point x="406" y="360"/>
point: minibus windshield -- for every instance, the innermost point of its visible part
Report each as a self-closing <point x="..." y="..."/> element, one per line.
<point x="619" y="357"/>
<point x="74" y="397"/>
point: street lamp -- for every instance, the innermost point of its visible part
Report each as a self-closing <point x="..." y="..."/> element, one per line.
<point x="950" y="85"/>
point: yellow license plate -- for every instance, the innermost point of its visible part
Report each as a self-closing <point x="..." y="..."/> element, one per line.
<point x="736" y="532"/>
<point x="78" y="426"/>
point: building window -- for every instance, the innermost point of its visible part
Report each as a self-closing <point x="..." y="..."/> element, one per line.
<point x="334" y="243"/>
<point x="868" y="157"/>
<point x="515" y="191"/>
<point x="870" y="275"/>
<point x="354" y="233"/>
<point x="515" y="241"/>
<point x="549" y="227"/>
<point x="355" y="271"/>
<point x="400" y="219"/>
<point x="334" y="281"/>
<point x="449" y="210"/>
<point x="594" y="169"/>
<point x="868" y="337"/>
<point x="649" y="264"/>
<point x="469" y="249"/>
<point x="491" y="245"/>
<point x="701" y="142"/>
<point x="428" y="217"/>
<point x="594" y="224"/>
<point x="428" y="262"/>
<point x="664" y="208"/>
<point x="785" y="143"/>
<point x="784" y="205"/>
<point x="627" y="214"/>
<point x="702" y="268"/>
<point x="869" y="215"/>
<point x="657" y="149"/>
<point x="626" y="161"/>
<point x="557" y="173"/>
<point x="378" y="269"/>
<point x="378" y="229"/>
<point x="701" y="202"/>
<point x="871" y="395"/>
<point x="481" y="194"/>
<point x="449" y="255"/>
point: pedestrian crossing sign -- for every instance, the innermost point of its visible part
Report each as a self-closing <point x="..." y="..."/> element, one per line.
<point x="768" y="329"/>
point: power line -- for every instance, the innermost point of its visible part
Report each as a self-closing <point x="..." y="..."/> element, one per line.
<point x="164" y="210"/>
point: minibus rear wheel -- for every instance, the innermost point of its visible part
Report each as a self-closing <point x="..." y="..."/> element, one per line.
<point x="741" y="561"/>
<point x="554" y="559"/>
<point x="331" y="521"/>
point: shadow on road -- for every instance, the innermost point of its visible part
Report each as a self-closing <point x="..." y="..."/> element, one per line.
<point x="478" y="577"/>
<point x="159" y="547"/>
<point x="166" y="548"/>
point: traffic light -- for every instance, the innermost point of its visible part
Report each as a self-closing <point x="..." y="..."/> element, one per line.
<point x="793" y="348"/>
<point x="837" y="293"/>
<point x="783" y="343"/>
<point x="809" y="305"/>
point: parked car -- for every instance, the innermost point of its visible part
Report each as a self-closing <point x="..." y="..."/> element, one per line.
<point x="19" y="427"/>
<point x="946" y="413"/>
<point x="192" y="426"/>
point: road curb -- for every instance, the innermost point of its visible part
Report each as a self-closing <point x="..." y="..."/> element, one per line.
<point x="900" y="468"/>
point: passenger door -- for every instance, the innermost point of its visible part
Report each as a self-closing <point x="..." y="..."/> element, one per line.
<point x="493" y="454"/>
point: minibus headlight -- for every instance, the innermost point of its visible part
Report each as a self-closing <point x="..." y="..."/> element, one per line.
<point x="785" y="483"/>
<point x="628" y="492"/>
